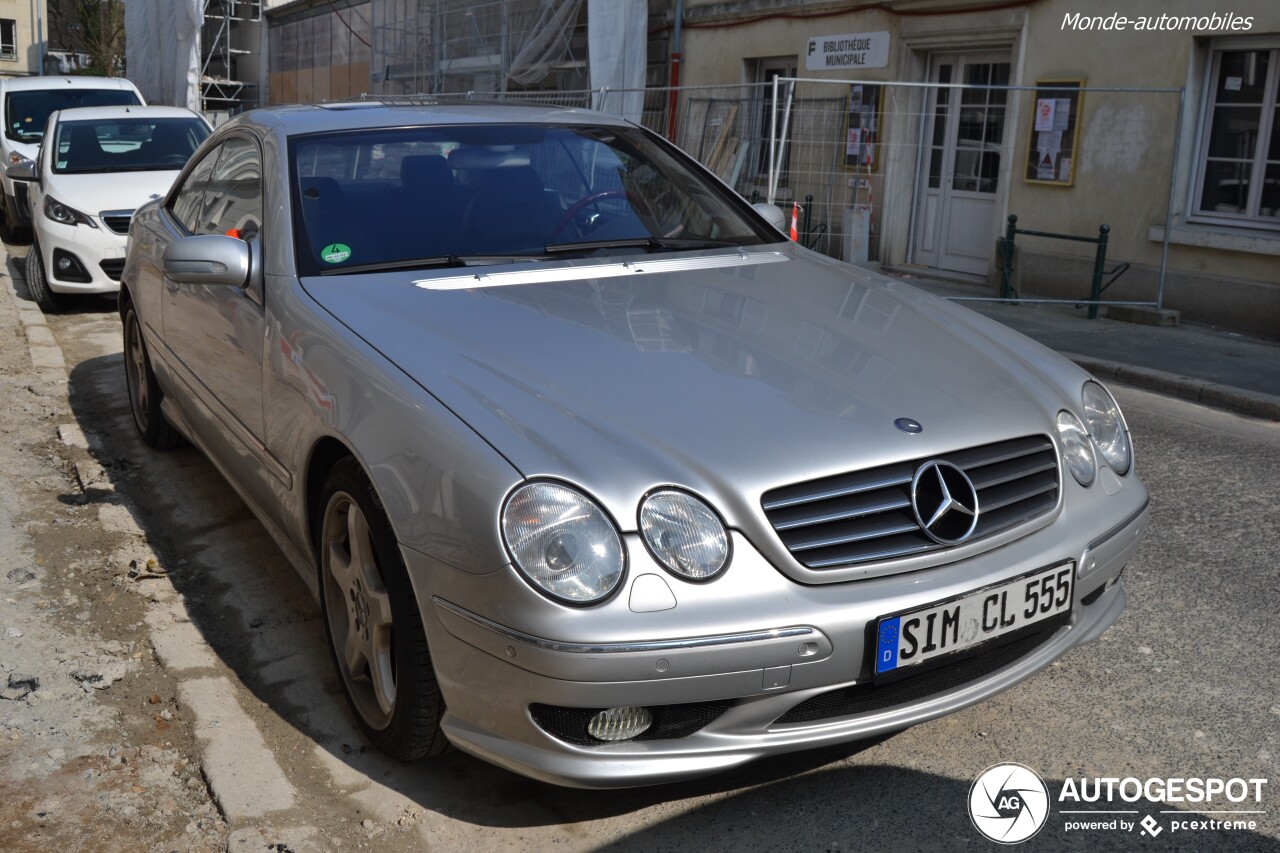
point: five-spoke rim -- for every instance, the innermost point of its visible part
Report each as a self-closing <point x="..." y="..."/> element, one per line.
<point x="359" y="610"/>
<point x="136" y="372"/>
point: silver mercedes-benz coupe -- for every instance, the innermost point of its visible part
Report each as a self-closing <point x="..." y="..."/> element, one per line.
<point x="594" y="474"/>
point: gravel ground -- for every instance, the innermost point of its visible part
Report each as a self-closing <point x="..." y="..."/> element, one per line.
<point x="96" y="753"/>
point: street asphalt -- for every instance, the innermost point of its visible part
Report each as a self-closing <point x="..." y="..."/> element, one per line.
<point x="1216" y="368"/>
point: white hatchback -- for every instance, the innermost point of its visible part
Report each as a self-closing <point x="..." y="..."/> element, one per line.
<point x="98" y="164"/>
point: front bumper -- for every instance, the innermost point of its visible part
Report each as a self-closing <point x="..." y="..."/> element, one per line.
<point x="816" y="642"/>
<point x="96" y="249"/>
<point x="16" y="209"/>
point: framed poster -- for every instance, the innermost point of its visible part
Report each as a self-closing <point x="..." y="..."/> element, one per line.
<point x="1055" y="132"/>
<point x="862" y="127"/>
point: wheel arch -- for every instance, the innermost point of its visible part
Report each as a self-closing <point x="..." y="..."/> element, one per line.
<point x="327" y="452"/>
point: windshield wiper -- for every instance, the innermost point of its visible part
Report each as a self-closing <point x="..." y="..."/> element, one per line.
<point x="651" y="244"/>
<point x="586" y="246"/>
<point x="407" y="264"/>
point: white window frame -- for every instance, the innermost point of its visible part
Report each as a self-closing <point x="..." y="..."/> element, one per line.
<point x="759" y="71"/>
<point x="9" y="45"/>
<point x="1267" y="128"/>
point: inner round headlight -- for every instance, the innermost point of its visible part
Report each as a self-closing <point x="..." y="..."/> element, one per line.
<point x="1107" y="426"/>
<point x="684" y="535"/>
<point x="563" y="542"/>
<point x="1077" y="450"/>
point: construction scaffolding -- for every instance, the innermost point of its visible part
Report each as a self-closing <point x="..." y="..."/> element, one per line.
<point x="451" y="46"/>
<point x="229" y="34"/>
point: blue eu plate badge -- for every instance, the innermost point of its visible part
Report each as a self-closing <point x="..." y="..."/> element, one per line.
<point x="887" y="647"/>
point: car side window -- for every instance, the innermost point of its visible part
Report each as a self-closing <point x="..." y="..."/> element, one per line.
<point x="233" y="201"/>
<point x="189" y="200"/>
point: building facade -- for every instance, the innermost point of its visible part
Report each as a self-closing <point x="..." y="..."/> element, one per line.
<point x="1161" y="121"/>
<point x="23" y="37"/>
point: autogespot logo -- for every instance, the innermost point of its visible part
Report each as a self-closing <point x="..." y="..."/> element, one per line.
<point x="1008" y="803"/>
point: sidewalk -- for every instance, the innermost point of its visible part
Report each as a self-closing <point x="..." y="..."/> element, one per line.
<point x="1224" y="370"/>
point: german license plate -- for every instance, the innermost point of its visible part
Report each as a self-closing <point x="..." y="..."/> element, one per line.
<point x="913" y="638"/>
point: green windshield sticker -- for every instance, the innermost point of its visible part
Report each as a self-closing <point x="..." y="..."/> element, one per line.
<point x="335" y="253"/>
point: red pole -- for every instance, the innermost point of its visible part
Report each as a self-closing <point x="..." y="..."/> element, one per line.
<point x="675" y="97"/>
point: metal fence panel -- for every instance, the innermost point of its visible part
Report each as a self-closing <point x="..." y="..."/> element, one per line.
<point x="926" y="174"/>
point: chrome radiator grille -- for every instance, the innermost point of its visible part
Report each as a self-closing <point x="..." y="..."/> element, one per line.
<point x="117" y="220"/>
<point x="866" y="515"/>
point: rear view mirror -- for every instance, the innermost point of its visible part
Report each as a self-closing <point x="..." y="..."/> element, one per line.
<point x="208" y="259"/>
<point x="23" y="170"/>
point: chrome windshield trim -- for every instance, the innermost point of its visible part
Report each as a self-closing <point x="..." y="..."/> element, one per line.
<point x="565" y="273"/>
<point x="1121" y="526"/>
<point x="622" y="648"/>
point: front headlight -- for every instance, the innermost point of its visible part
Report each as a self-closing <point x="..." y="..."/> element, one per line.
<point x="563" y="542"/>
<point x="59" y="212"/>
<point x="1106" y="425"/>
<point x="684" y="535"/>
<point x="1077" y="450"/>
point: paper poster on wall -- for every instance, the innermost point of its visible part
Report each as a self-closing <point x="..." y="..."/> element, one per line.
<point x="1061" y="112"/>
<point x="1044" y="171"/>
<point x="1045" y="109"/>
<point x="1055" y="132"/>
<point x="853" y="143"/>
<point x="1050" y="141"/>
<point x="862" y="126"/>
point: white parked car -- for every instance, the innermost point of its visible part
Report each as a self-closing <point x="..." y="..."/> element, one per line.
<point x="28" y="102"/>
<point x="97" y="165"/>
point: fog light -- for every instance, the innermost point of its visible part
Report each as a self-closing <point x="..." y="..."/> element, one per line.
<point x="64" y="263"/>
<point x="620" y="723"/>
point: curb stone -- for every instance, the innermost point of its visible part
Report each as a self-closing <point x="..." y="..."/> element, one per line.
<point x="1215" y="395"/>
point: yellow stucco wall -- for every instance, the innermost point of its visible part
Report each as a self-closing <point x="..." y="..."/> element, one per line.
<point x="1126" y="156"/>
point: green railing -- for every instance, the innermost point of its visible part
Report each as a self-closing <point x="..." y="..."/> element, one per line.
<point x="1007" y="290"/>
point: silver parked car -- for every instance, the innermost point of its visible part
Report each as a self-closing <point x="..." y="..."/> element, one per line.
<point x="594" y="474"/>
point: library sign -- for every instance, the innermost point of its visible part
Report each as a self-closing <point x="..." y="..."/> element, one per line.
<point x="847" y="52"/>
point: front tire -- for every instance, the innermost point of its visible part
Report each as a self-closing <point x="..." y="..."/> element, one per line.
<point x="49" y="301"/>
<point x="372" y="621"/>
<point x="144" y="391"/>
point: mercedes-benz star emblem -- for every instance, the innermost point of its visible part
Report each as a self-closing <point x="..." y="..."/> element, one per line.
<point x="945" y="502"/>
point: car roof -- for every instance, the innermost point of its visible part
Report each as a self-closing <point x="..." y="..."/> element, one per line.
<point x="300" y="119"/>
<point x="62" y="82"/>
<point x="128" y="111"/>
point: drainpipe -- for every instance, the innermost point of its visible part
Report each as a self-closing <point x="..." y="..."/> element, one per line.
<point x="37" y="33"/>
<point x="675" y="71"/>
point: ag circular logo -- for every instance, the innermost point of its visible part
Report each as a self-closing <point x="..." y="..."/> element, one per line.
<point x="1008" y="803"/>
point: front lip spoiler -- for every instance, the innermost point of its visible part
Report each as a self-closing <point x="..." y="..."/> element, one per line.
<point x="709" y="641"/>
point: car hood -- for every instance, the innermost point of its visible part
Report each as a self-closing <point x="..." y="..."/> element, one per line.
<point x="95" y="192"/>
<point x="726" y="377"/>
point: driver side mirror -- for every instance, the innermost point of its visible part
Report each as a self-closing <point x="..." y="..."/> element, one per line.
<point x="23" y="170"/>
<point x="208" y="259"/>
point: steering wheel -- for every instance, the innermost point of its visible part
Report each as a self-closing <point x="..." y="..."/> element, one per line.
<point x="580" y="205"/>
<point x="172" y="160"/>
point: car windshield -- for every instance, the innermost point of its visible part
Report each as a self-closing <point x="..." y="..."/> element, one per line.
<point x="460" y="195"/>
<point x="126" y="144"/>
<point x="26" y="112"/>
